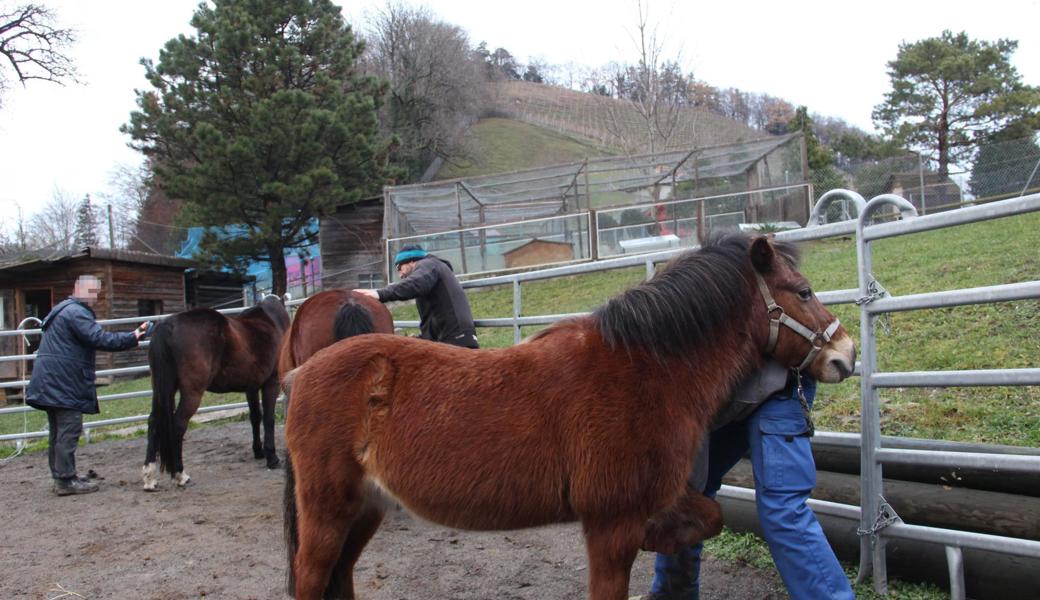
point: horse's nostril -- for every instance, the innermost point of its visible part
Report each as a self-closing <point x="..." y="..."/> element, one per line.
<point x="842" y="367"/>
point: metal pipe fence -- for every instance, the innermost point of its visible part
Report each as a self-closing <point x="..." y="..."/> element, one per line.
<point x="21" y="438"/>
<point x="878" y="521"/>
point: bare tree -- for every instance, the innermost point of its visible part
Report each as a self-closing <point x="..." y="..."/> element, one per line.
<point x="35" y="46"/>
<point x="54" y="227"/>
<point x="769" y="113"/>
<point x="436" y="81"/>
<point x="14" y="237"/>
<point x="645" y="86"/>
<point x="127" y="193"/>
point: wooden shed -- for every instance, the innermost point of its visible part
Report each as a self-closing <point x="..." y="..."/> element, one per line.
<point x="538" y="252"/>
<point x="352" y="252"/>
<point x="134" y="284"/>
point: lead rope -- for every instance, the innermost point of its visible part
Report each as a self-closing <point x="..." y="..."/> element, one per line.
<point x="805" y="404"/>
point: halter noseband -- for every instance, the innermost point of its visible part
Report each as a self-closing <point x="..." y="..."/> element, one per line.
<point x="802" y="330"/>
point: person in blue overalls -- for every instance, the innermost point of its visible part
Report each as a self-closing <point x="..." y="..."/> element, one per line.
<point x="767" y="416"/>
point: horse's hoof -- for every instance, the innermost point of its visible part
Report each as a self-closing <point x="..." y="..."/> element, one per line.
<point x="274" y="463"/>
<point x="258" y="453"/>
<point x="150" y="476"/>
<point x="182" y="479"/>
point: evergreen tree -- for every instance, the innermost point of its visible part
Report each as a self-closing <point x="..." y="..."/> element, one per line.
<point x="260" y="122"/>
<point x="949" y="92"/>
<point x="86" y="224"/>
<point x="819" y="156"/>
<point x="1005" y="167"/>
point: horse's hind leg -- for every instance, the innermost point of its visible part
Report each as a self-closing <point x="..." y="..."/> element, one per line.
<point x="189" y="403"/>
<point x="328" y="543"/>
<point x="361" y="531"/>
<point x="150" y="472"/>
<point x="253" y="399"/>
<point x="612" y="545"/>
<point x="270" y="400"/>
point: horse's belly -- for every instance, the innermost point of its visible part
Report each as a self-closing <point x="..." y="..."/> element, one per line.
<point x="466" y="498"/>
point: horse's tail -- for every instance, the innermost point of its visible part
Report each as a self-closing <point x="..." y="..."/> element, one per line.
<point x="164" y="387"/>
<point x="292" y="537"/>
<point x="352" y="319"/>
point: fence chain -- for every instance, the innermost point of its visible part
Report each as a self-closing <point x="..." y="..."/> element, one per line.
<point x="876" y="290"/>
<point x="885" y="516"/>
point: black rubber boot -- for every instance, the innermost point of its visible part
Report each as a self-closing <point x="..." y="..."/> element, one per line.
<point x="70" y="487"/>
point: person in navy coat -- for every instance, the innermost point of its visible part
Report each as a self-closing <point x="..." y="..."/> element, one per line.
<point x="62" y="381"/>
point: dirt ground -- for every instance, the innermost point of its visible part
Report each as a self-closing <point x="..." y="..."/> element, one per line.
<point x="221" y="537"/>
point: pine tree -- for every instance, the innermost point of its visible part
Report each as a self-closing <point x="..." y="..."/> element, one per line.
<point x="260" y="122"/>
<point x="86" y="224"/>
<point x="950" y="92"/>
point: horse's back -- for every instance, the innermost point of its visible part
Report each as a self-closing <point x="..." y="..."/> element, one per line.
<point x="314" y="326"/>
<point x="195" y="333"/>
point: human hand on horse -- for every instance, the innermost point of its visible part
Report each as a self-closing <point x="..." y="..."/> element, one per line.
<point x="369" y="293"/>
<point x="143" y="330"/>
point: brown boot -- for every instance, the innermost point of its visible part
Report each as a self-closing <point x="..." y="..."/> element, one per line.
<point x="69" y="487"/>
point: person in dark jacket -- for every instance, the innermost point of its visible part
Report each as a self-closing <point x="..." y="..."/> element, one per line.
<point x="62" y="381"/>
<point x="444" y="313"/>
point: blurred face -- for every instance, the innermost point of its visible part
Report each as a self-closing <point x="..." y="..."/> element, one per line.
<point x="87" y="288"/>
<point x="404" y="270"/>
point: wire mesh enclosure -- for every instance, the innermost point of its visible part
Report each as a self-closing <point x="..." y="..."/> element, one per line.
<point x="594" y="207"/>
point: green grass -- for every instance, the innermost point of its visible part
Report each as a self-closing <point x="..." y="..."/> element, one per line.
<point x="751" y="550"/>
<point x="989" y="336"/>
<point x="504" y="145"/>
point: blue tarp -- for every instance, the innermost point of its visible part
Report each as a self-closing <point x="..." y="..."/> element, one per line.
<point x="262" y="270"/>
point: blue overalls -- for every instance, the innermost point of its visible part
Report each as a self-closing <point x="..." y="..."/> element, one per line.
<point x="785" y="474"/>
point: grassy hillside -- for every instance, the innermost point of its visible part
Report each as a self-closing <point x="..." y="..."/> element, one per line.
<point x="503" y="145"/>
<point x="974" y="337"/>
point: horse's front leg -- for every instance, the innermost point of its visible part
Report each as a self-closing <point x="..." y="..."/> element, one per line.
<point x="253" y="399"/>
<point x="693" y="518"/>
<point x="270" y="400"/>
<point x="612" y="545"/>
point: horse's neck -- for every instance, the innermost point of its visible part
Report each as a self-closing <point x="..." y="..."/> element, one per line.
<point x="707" y="375"/>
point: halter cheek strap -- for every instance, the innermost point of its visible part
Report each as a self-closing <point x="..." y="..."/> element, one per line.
<point x="774" y="326"/>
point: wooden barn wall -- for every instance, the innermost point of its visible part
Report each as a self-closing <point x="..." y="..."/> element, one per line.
<point x="351" y="245"/>
<point x="131" y="282"/>
<point x="123" y="284"/>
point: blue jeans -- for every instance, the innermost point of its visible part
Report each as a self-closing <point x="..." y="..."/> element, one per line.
<point x="785" y="474"/>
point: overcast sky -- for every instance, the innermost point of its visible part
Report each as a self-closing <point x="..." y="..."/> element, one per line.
<point x="827" y="55"/>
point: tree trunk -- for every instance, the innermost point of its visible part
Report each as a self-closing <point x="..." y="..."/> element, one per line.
<point x="278" y="272"/>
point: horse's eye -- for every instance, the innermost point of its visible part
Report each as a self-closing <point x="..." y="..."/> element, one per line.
<point x="805" y="294"/>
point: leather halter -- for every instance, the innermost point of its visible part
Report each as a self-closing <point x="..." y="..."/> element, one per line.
<point x="802" y="330"/>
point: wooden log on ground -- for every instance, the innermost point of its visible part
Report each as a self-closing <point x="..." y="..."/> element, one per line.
<point x="843" y="459"/>
<point x="928" y="504"/>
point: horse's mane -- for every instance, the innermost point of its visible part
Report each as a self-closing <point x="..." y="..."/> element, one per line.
<point x="679" y="307"/>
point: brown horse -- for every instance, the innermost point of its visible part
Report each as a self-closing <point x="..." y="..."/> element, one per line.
<point x="595" y="419"/>
<point x="202" y="350"/>
<point x="327" y="317"/>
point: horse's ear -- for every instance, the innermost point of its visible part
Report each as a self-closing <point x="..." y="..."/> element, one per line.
<point x="762" y="254"/>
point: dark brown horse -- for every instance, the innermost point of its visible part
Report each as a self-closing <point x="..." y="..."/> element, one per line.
<point x="327" y="317"/>
<point x="202" y="350"/>
<point x="595" y="419"/>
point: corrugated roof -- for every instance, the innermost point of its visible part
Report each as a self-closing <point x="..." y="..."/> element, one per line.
<point x="36" y="263"/>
